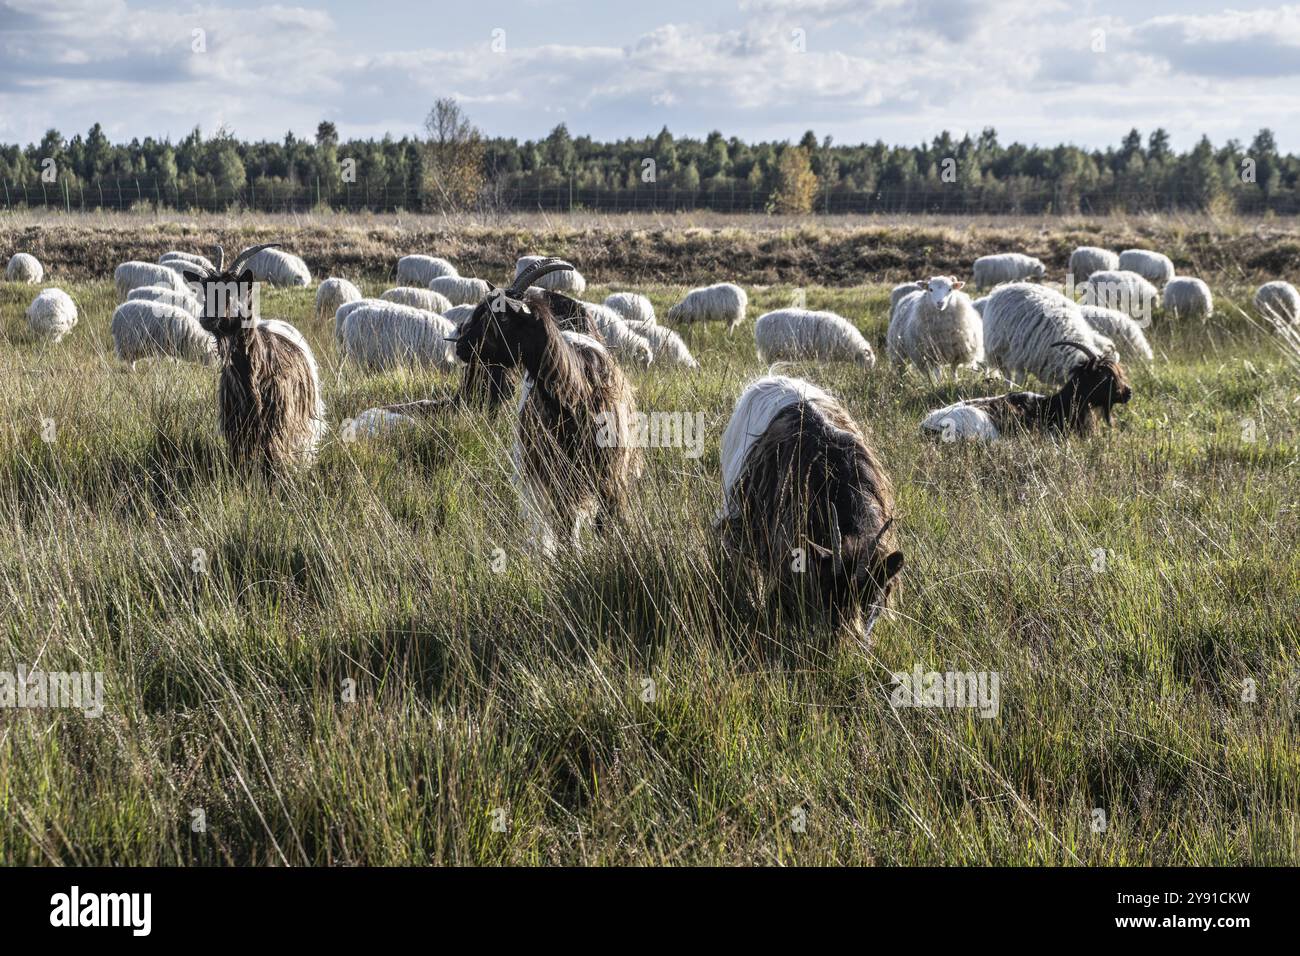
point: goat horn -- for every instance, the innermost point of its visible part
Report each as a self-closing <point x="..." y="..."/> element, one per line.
<point x="1075" y="345"/>
<point x="221" y="259"/>
<point x="249" y="253"/>
<point x="534" y="272"/>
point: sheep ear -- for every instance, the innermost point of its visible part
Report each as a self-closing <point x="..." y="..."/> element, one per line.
<point x="958" y="285"/>
<point x="922" y="284"/>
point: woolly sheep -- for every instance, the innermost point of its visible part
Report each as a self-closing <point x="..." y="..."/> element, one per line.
<point x="795" y="334"/>
<point x="1124" y="291"/>
<point x="935" y="328"/>
<point x="332" y="293"/>
<point x="157" y="293"/>
<point x="628" y="347"/>
<point x="1279" y="301"/>
<point x="421" y="270"/>
<point x="389" y="335"/>
<point x="1007" y="267"/>
<point x="347" y="308"/>
<point x="460" y="290"/>
<point x="631" y="306"/>
<point x="723" y="302"/>
<point x="898" y="293"/>
<point x="568" y="281"/>
<point x="279" y="268"/>
<point x="175" y="255"/>
<point x="666" y="345"/>
<point x="376" y="422"/>
<point x="133" y="275"/>
<point x="1086" y="260"/>
<point x="980" y="303"/>
<point x="425" y="299"/>
<point x="52" y="314"/>
<point x="1121" y="329"/>
<point x="1152" y="266"/>
<point x="1022" y="324"/>
<point x="144" y="329"/>
<point x="1187" y="297"/>
<point x="24" y="267"/>
<point x="457" y="314"/>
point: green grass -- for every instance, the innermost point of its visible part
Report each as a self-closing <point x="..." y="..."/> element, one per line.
<point x="522" y="691"/>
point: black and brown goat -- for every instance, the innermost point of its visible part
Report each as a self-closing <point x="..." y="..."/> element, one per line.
<point x="271" y="411"/>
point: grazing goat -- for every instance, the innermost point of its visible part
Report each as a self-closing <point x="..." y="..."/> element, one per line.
<point x="573" y="457"/>
<point x="807" y="502"/>
<point x="1096" y="385"/>
<point x="271" y="411"/>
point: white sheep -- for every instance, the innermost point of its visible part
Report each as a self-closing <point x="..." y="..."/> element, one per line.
<point x="347" y="308"/>
<point x="52" y="314"/>
<point x="175" y="255"/>
<point x="631" y="306"/>
<point x="133" y="275"/>
<point x="388" y="335"/>
<point x="1122" y="290"/>
<point x="898" y="293"/>
<point x="1006" y="267"/>
<point x="143" y="329"/>
<point x="568" y="281"/>
<point x="460" y="290"/>
<point x="180" y="299"/>
<point x="1086" y="260"/>
<point x="801" y="334"/>
<point x="457" y="314"/>
<point x="1278" y="301"/>
<point x="332" y="293"/>
<point x="935" y="328"/>
<point x="425" y="299"/>
<point x="377" y="422"/>
<point x="1187" y="297"/>
<point x="980" y="303"/>
<point x="1129" y="339"/>
<point x="279" y="268"/>
<point x="1022" y="324"/>
<point x="626" y="345"/>
<point x="1153" y="266"/>
<point x="24" y="267"/>
<point x="666" y="346"/>
<point x="421" y="270"/>
<point x="723" y="302"/>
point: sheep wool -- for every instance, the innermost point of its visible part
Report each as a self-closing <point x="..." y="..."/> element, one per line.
<point x="1153" y="266"/>
<point x="419" y="271"/>
<point x="723" y="302"/>
<point x="24" y="267"/>
<point x="388" y="335"/>
<point x="1022" y="322"/>
<point x="1187" y="297"/>
<point x="1129" y="339"/>
<point x="333" y="293"/>
<point x="460" y="290"/>
<point x="568" y="281"/>
<point x="133" y="275"/>
<point x="1006" y="267"/>
<point x="144" y="329"/>
<point x="425" y="299"/>
<point x="626" y="345"/>
<point x="157" y="293"/>
<point x="631" y="306"/>
<point x="347" y="308"/>
<point x="801" y="334"/>
<point x="980" y="303"/>
<point x="457" y="314"/>
<point x="193" y="258"/>
<point x="1278" y="301"/>
<point x="666" y="346"/>
<point x="52" y="315"/>
<point x="279" y="268"/>
<point x="1123" y="291"/>
<point x="936" y="328"/>
<point x="1086" y="260"/>
<point x="900" y="292"/>
<point x="378" y="422"/>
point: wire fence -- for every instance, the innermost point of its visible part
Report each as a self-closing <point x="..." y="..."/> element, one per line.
<point x="264" y="196"/>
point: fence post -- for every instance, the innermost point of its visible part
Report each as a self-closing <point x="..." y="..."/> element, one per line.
<point x="6" y="194"/>
<point x="67" y="200"/>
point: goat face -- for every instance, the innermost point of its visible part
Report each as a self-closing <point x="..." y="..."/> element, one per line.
<point x="228" y="296"/>
<point x="1100" y="382"/>
<point x="498" y="331"/>
<point x="855" y="575"/>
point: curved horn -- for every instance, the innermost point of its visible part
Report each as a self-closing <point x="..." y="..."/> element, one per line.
<point x="534" y="272"/>
<point x="249" y="253"/>
<point x="1075" y="345"/>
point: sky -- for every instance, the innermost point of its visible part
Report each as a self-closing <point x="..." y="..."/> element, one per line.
<point x="1039" y="71"/>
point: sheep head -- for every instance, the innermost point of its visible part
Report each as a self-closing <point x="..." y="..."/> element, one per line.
<point x="1100" y="382"/>
<point x="940" y="289"/>
<point x="508" y="322"/>
<point x="228" y="295"/>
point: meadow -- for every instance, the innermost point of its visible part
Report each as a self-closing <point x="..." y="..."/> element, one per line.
<point x="365" y="667"/>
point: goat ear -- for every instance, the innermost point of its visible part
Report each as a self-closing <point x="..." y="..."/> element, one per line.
<point x="246" y="277"/>
<point x="885" y="571"/>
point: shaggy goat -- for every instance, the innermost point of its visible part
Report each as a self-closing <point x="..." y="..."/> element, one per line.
<point x="1129" y="339"/>
<point x="1153" y="266"/>
<point x="574" y="458"/>
<point x="800" y="334"/>
<point x="425" y="299"/>
<point x="333" y="293"/>
<point x="145" y="328"/>
<point x="271" y="411"/>
<point x="276" y="267"/>
<point x="1022" y="323"/>
<point x="569" y="281"/>
<point x="1086" y="260"/>
<point x="806" y="500"/>
<point x="460" y="290"/>
<point x="388" y="335"/>
<point x="723" y="302"/>
<point x="631" y="306"/>
<point x="24" y="267"/>
<point x="1006" y="267"/>
<point x="52" y="315"/>
<point x="936" y="327"/>
<point x="1095" y="385"/>
<point x="666" y="345"/>
<point x="1278" y="301"/>
<point x="134" y="275"/>
<point x="1124" y="291"/>
<point x="1188" y="298"/>
<point x="421" y="270"/>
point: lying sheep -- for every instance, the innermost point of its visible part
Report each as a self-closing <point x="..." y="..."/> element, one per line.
<point x="133" y="275"/>
<point x="332" y="293"/>
<point x="143" y="329"/>
<point x="723" y="302"/>
<point x="626" y="345"/>
<point x="419" y="271"/>
<point x="157" y="293"/>
<point x="1086" y="260"/>
<point x="52" y="315"/>
<point x="935" y="328"/>
<point x="425" y="299"/>
<point x="1129" y="339"/>
<point x="460" y="290"/>
<point x="1023" y="323"/>
<point x="278" y="268"/>
<point x="1153" y="266"/>
<point x="1188" y="298"/>
<point x="666" y="346"/>
<point x="388" y="335"/>
<point x="800" y="334"/>
<point x="1278" y="301"/>
<point x="568" y="281"/>
<point x="24" y="267"/>
<point x="631" y="306"/>
<point x="1006" y="267"/>
<point x="1121" y="290"/>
